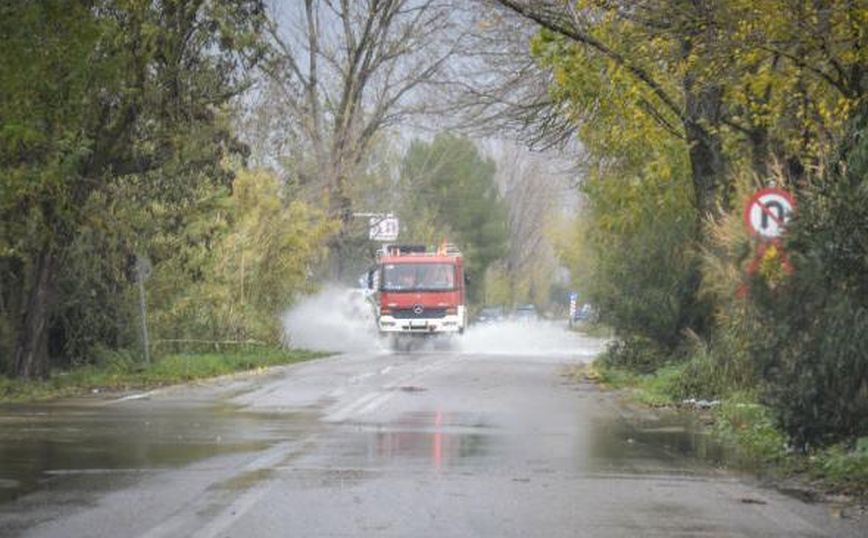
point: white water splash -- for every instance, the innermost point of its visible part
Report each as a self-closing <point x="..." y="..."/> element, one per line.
<point x="335" y="319"/>
<point x="543" y="338"/>
<point x="340" y="319"/>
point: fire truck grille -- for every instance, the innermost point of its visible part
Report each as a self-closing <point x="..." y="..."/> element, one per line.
<point x="410" y="313"/>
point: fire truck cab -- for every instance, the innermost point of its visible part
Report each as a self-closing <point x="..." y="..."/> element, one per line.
<point x="419" y="291"/>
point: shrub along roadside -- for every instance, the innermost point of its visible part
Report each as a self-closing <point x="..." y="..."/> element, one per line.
<point x="121" y="372"/>
<point x="742" y="423"/>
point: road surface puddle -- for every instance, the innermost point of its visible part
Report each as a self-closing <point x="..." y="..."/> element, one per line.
<point x="48" y="445"/>
<point x="648" y="445"/>
<point x="433" y="439"/>
<point x="605" y="444"/>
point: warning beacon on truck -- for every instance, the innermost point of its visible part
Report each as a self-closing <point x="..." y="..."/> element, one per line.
<point x="419" y="291"/>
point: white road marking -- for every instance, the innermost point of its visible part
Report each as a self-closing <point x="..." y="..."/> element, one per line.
<point x="373" y="400"/>
<point x="138" y="396"/>
<point x="174" y="524"/>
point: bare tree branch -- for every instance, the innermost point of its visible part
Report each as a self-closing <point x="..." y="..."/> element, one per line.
<point x="344" y="70"/>
<point x="551" y="18"/>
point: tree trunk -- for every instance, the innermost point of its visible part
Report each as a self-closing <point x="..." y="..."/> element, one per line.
<point x="706" y="167"/>
<point x="341" y="208"/>
<point x="31" y="350"/>
<point x="703" y="111"/>
<point x="759" y="151"/>
<point x="712" y="191"/>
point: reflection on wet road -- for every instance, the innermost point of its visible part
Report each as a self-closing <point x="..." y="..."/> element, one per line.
<point x="39" y="445"/>
<point x="436" y="439"/>
<point x="422" y="444"/>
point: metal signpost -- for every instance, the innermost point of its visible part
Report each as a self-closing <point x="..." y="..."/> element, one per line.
<point x="574" y="298"/>
<point x="143" y="271"/>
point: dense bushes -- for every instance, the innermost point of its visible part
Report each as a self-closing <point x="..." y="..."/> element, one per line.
<point x="237" y="264"/>
<point x="646" y="285"/>
<point x="812" y="350"/>
<point x="635" y="353"/>
<point x="108" y="109"/>
<point x="225" y="264"/>
<point x="711" y="116"/>
<point x="640" y="231"/>
<point x="795" y="330"/>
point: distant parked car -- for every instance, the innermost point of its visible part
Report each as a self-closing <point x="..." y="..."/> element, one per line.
<point x="490" y="314"/>
<point x="586" y="313"/>
<point x="525" y="312"/>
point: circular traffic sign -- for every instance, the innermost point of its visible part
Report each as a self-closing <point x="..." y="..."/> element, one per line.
<point x="768" y="211"/>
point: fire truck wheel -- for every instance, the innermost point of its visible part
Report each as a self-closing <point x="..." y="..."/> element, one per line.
<point x="399" y="344"/>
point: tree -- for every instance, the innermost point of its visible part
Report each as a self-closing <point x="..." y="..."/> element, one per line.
<point x="261" y="255"/>
<point x="534" y="190"/>
<point x="341" y="73"/>
<point x="795" y="74"/>
<point x="811" y="324"/>
<point x="97" y="99"/>
<point x="730" y="85"/>
<point x="648" y="55"/>
<point x="500" y="90"/>
<point x="705" y="71"/>
<point x="450" y="192"/>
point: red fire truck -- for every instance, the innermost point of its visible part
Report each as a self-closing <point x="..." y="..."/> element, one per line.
<point x="419" y="291"/>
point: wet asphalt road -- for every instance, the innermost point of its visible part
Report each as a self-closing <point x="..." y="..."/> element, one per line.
<point x="372" y="444"/>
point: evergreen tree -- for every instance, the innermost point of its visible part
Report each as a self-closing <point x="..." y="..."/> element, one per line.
<point x="450" y="193"/>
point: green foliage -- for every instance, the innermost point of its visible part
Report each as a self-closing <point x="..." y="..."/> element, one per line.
<point x="845" y="465"/>
<point x="639" y="231"/>
<point x="655" y="389"/>
<point x="635" y="254"/>
<point x="497" y="290"/>
<point x="450" y="193"/>
<point x="764" y="85"/>
<point x="709" y="373"/>
<point x="636" y="354"/>
<point x="610" y="107"/>
<point x="122" y="371"/>
<point x="187" y="367"/>
<point x="111" y="111"/>
<point x="751" y="428"/>
<point x="723" y="364"/>
<point x="644" y="286"/>
<point x="811" y="349"/>
<point x="237" y="263"/>
<point x="791" y="67"/>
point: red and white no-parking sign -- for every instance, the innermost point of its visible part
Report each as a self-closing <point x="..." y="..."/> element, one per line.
<point x="768" y="211"/>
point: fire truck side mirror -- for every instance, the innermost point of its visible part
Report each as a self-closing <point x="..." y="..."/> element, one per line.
<point x="466" y="279"/>
<point x="371" y="277"/>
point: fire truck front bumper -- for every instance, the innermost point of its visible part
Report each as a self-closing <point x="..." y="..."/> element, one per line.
<point x="446" y="324"/>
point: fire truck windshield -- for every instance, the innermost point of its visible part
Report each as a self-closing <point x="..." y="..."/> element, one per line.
<point x="418" y="277"/>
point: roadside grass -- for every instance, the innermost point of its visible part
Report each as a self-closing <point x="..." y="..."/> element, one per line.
<point x="118" y="372"/>
<point x="594" y="330"/>
<point x="842" y="466"/>
<point x="654" y="390"/>
<point x="747" y="427"/>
